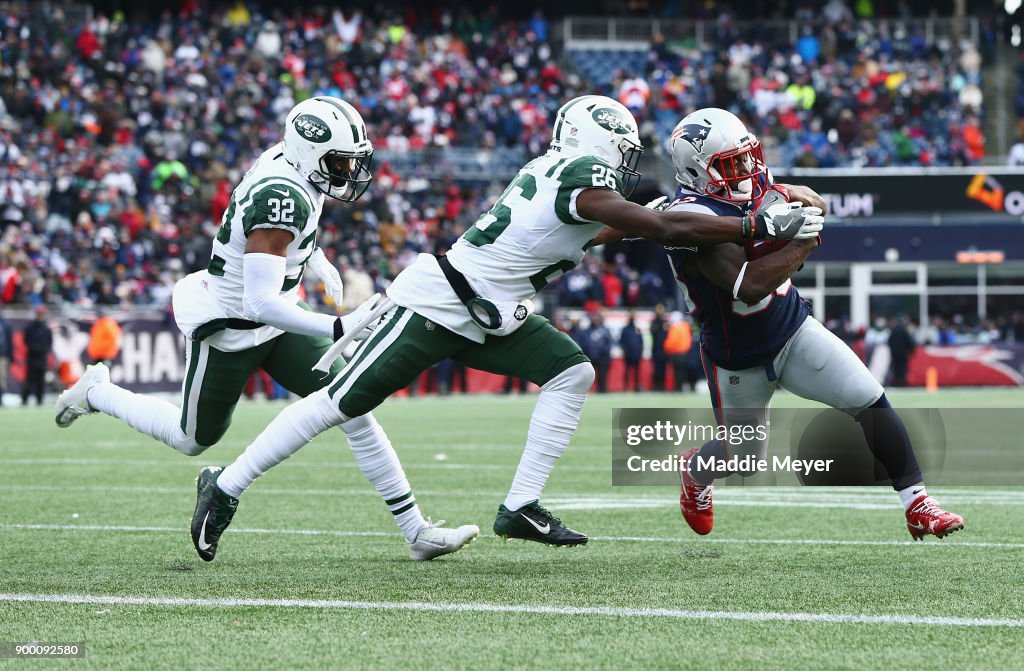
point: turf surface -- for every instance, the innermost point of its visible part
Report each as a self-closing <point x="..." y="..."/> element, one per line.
<point x="313" y="575"/>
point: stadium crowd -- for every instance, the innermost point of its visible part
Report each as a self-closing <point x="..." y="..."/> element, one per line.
<point x="847" y="93"/>
<point x="120" y="140"/>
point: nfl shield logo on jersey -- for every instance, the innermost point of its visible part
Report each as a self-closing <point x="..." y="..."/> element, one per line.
<point x="734" y="380"/>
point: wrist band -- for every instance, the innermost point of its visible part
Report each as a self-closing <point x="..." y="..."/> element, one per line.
<point x="760" y="228"/>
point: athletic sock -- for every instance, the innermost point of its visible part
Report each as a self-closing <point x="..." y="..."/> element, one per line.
<point x="888" y="441"/>
<point x="712" y="448"/>
<point x="379" y="463"/>
<point x="910" y="494"/>
<point x="554" y="420"/>
<point x="295" y="426"/>
<point x="152" y="416"/>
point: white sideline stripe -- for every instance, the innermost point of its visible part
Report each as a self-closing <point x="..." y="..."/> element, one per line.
<point x="183" y="530"/>
<point x="615" y="539"/>
<point x="84" y="461"/>
<point x="270" y="491"/>
<point x="599" y="611"/>
<point x="734" y="498"/>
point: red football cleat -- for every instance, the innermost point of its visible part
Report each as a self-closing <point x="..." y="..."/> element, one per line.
<point x="695" y="498"/>
<point x="926" y="517"/>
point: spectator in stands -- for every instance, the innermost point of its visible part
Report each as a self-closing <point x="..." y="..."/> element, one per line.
<point x="104" y="339"/>
<point x="836" y="11"/>
<point x="512" y="381"/>
<point x="631" y="341"/>
<point x="6" y="354"/>
<point x="260" y="379"/>
<point x="38" y="343"/>
<point x="599" y="343"/>
<point x="901" y="347"/>
<point x="678" y="343"/>
<point x="92" y="128"/>
<point x="611" y="282"/>
<point x="659" y="358"/>
<point x="634" y="93"/>
<point x="1016" y="156"/>
<point x="449" y="374"/>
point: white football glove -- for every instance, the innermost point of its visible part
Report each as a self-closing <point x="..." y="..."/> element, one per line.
<point x="657" y="204"/>
<point x="360" y="319"/>
<point x="792" y="221"/>
<point x="328" y="274"/>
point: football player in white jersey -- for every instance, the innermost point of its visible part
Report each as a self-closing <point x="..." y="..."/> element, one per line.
<point x="473" y="305"/>
<point x="243" y="313"/>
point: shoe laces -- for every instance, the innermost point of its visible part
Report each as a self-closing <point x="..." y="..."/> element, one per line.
<point x="547" y="513"/>
<point x="434" y="525"/>
<point x="703" y="497"/>
<point x="928" y="506"/>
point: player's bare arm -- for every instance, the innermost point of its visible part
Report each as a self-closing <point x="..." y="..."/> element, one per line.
<point x="273" y="241"/>
<point x="804" y="194"/>
<point x="722" y="265"/>
<point x="674" y="228"/>
<point x="606" y="235"/>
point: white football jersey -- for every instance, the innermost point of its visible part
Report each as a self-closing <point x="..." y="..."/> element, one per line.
<point x="272" y="194"/>
<point x="532" y="235"/>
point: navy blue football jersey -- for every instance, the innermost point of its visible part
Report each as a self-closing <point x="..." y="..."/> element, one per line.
<point x="734" y="335"/>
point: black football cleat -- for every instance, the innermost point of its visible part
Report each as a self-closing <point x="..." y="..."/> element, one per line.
<point x="214" y="510"/>
<point x="534" y="522"/>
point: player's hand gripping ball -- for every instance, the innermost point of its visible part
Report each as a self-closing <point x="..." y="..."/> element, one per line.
<point x="756" y="249"/>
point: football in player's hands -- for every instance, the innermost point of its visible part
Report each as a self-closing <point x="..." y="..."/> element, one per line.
<point x="777" y="194"/>
<point x="755" y="249"/>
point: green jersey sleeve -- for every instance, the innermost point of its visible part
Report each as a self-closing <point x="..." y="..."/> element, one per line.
<point x="586" y="172"/>
<point x="276" y="205"/>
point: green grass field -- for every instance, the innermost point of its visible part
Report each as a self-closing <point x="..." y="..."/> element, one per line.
<point x="314" y="575"/>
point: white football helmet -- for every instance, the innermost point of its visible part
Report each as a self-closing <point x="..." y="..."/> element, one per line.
<point x="715" y="154"/>
<point x="602" y="127"/>
<point x="325" y="140"/>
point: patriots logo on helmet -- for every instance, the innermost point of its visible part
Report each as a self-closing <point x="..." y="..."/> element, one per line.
<point x="694" y="133"/>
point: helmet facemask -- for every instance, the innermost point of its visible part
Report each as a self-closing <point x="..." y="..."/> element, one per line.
<point x="342" y="175"/>
<point x="631" y="153"/>
<point x="733" y="174"/>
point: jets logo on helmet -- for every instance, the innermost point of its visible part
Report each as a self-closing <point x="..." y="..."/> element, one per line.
<point x="607" y="118"/>
<point x="312" y="128"/>
<point x="601" y="127"/>
<point x="325" y="140"/>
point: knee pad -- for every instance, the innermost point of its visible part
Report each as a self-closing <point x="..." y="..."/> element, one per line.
<point x="363" y="433"/>
<point x="577" y="379"/>
<point x="188" y="446"/>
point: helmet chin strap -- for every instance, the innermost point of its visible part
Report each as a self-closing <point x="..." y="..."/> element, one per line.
<point x="745" y="187"/>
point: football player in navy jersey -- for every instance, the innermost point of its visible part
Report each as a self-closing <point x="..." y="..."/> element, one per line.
<point x="757" y="334"/>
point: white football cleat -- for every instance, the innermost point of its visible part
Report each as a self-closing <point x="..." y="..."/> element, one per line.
<point x="434" y="541"/>
<point x="74" y="402"/>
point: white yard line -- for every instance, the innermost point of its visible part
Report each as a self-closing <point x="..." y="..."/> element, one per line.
<point x="683" y="540"/>
<point x="599" y="611"/>
<point x="194" y="464"/>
